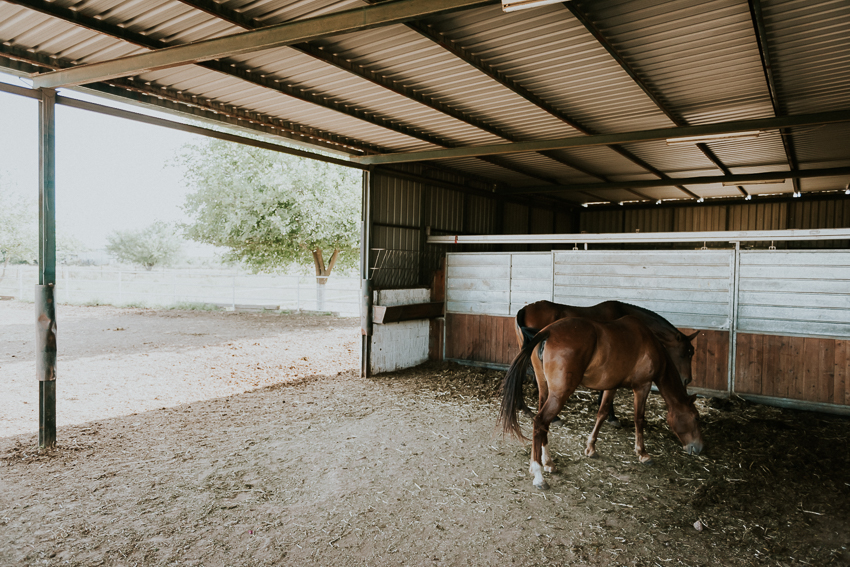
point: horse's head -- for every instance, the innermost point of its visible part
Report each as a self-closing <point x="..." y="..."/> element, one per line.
<point x="682" y="353"/>
<point x="683" y="419"/>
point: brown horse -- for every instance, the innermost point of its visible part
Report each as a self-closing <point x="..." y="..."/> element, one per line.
<point x="601" y="356"/>
<point x="538" y="315"/>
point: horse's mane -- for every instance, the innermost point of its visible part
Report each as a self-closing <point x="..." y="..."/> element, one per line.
<point x="655" y="317"/>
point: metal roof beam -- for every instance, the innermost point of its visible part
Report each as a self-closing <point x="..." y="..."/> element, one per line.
<point x="658" y="237"/>
<point x="631" y="72"/>
<point x="761" y="38"/>
<point x="742" y="178"/>
<point x="368" y="17"/>
<point x="472" y="59"/>
<point x="236" y="18"/>
<point x="262" y="81"/>
<point x="720" y="128"/>
<point x="182" y="103"/>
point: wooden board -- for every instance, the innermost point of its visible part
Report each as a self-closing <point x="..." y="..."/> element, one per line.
<point x="798" y="368"/>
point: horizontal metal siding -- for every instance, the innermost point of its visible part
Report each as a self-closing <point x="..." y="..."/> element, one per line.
<point x="478" y="283"/>
<point x="690" y="289"/>
<point x="531" y="279"/>
<point x="795" y="293"/>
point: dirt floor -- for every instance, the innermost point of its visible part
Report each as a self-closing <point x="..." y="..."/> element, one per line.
<point x="327" y="468"/>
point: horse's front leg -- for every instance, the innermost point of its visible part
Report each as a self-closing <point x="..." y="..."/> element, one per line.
<point x="601" y="416"/>
<point x="641" y="393"/>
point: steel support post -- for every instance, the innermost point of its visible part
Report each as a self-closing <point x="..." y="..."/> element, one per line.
<point x="365" y="274"/>
<point x="44" y="300"/>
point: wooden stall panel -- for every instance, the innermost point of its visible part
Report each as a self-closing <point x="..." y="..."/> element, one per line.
<point x="795" y="293"/>
<point x="480" y="338"/>
<point x="796" y="368"/>
<point x="478" y="283"/>
<point x="688" y="288"/>
<point x="711" y="360"/>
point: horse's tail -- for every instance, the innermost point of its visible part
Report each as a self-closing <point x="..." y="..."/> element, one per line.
<point x="512" y="386"/>
<point x="527" y="333"/>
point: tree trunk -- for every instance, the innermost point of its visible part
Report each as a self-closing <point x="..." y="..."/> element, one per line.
<point x="322" y="274"/>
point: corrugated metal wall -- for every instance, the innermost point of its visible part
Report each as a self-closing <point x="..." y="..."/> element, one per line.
<point x="402" y="210"/>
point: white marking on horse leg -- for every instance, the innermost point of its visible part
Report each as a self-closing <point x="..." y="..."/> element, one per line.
<point x="548" y="463"/>
<point x="537" y="471"/>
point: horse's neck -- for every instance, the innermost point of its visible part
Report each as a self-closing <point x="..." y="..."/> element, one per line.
<point x="670" y="386"/>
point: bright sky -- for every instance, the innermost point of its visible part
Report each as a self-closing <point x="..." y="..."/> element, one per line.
<point x="111" y="173"/>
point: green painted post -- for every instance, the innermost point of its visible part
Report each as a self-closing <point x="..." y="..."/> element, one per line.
<point x="44" y="304"/>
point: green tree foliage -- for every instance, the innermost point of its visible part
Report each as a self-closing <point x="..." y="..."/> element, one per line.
<point x="271" y="210"/>
<point x="18" y="229"/>
<point x="155" y="245"/>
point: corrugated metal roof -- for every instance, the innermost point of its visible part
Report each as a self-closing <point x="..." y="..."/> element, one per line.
<point x="482" y="77"/>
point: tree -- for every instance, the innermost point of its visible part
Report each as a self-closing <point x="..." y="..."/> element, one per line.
<point x="18" y="229"/>
<point x="156" y="244"/>
<point x="272" y="210"/>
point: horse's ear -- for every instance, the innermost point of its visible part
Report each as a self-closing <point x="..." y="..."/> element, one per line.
<point x="692" y="336"/>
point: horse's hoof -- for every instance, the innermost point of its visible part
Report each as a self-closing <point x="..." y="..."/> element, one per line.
<point x="556" y="420"/>
<point x="542" y="486"/>
<point x="591" y="454"/>
<point x="549" y="469"/>
<point x="648" y="461"/>
<point x="614" y="423"/>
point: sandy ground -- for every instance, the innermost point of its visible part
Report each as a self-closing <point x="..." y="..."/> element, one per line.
<point x="115" y="362"/>
<point x="400" y="469"/>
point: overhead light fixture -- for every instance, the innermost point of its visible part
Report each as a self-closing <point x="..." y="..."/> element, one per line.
<point x="748" y="198"/>
<point x="658" y="202"/>
<point x="796" y="194"/>
<point x="762" y="182"/>
<point x="847" y="189"/>
<point x="687" y="140"/>
<point x="514" y="5"/>
<point x="700" y="200"/>
<point x="584" y="205"/>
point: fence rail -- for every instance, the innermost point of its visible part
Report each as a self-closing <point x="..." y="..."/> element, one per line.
<point x="228" y="289"/>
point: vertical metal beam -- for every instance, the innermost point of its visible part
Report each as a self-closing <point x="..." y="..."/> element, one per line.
<point x="365" y="274"/>
<point x="45" y="306"/>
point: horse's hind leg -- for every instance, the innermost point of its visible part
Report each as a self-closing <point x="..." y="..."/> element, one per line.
<point x="541" y="460"/>
<point x="601" y="416"/>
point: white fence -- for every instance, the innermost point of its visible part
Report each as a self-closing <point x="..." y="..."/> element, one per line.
<point x="228" y="289"/>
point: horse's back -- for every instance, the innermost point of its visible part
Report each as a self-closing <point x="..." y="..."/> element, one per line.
<point x="609" y="354"/>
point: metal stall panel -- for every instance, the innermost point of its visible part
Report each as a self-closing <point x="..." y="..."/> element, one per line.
<point x="483" y="294"/>
<point x="793" y="328"/>
<point x="531" y="279"/>
<point x="478" y="283"/>
<point x="795" y="293"/>
<point x="689" y="289"/>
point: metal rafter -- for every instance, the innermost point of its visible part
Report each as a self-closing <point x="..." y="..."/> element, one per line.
<point x="764" y="51"/>
<point x="674" y="117"/>
<point x="258" y="79"/>
<point x="187" y="104"/>
<point x="279" y="35"/>
<point x="501" y="78"/>
<point x="742" y="178"/>
<point x="232" y="16"/>
<point x="716" y="129"/>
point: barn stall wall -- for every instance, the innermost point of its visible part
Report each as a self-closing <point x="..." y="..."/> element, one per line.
<point x="780" y="319"/>
<point x="405" y="211"/>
